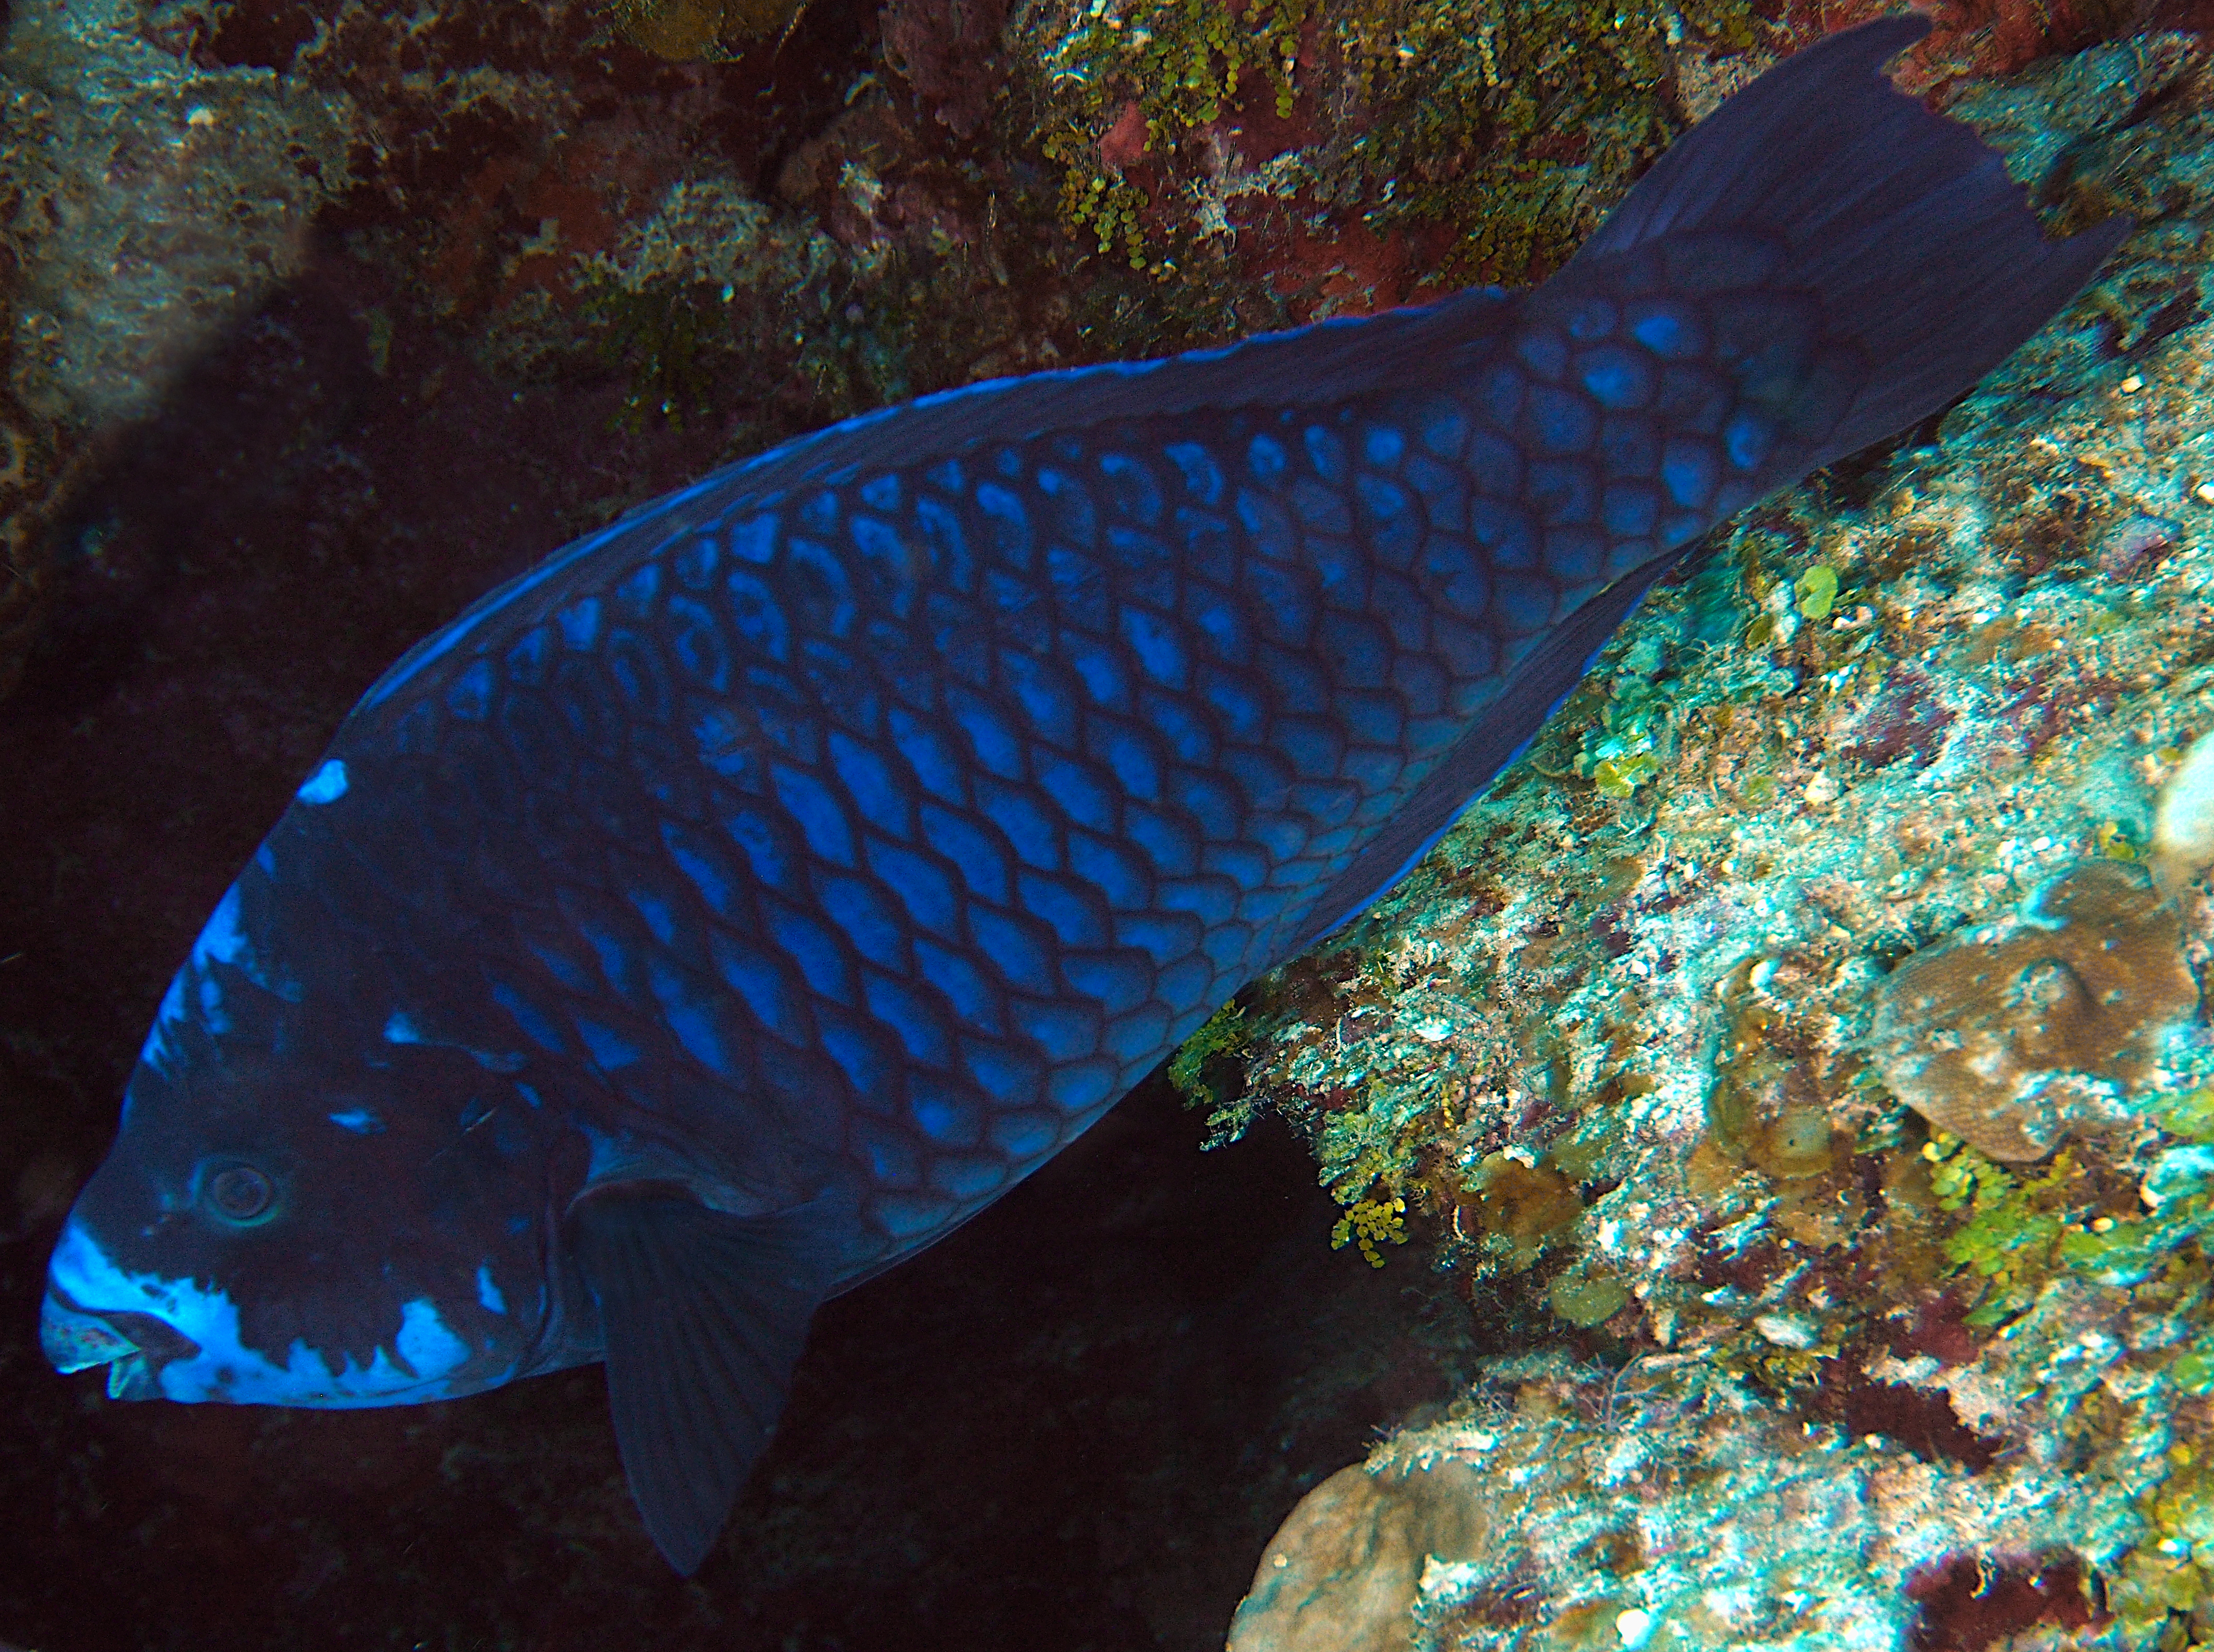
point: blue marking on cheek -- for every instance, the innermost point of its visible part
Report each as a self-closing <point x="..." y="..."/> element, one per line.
<point x="424" y="1340"/>
<point x="211" y="1011"/>
<point x="360" y="1120"/>
<point x="488" y="1293"/>
<point x="530" y="1095"/>
<point x="400" y="1030"/>
<point x="1266" y="459"/>
<point x="327" y="785"/>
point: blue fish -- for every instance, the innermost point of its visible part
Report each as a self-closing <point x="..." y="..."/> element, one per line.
<point x="757" y="890"/>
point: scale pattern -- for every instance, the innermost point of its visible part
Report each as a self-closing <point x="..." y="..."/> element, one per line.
<point x="933" y="805"/>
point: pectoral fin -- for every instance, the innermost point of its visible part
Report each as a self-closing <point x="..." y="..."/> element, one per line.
<point x="703" y="1314"/>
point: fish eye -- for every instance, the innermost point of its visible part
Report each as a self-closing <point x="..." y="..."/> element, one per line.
<point x="238" y="1193"/>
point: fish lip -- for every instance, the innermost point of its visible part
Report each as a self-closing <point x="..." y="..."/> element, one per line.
<point x="133" y="1345"/>
<point x="73" y="1338"/>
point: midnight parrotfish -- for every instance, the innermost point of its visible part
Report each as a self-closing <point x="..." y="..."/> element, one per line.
<point x="755" y="891"/>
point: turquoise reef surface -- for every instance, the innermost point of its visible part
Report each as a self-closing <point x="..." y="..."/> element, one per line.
<point x="1797" y="1043"/>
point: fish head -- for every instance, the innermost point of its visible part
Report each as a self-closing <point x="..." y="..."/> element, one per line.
<point x="312" y="1200"/>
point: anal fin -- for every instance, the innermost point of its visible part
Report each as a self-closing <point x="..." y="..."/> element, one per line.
<point x="703" y="1315"/>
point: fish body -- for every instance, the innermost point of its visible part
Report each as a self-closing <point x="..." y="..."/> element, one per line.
<point x="755" y="890"/>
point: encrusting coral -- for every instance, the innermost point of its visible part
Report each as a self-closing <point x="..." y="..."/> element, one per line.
<point x="2014" y="1034"/>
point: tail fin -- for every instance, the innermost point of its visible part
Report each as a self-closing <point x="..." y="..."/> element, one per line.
<point x="1901" y="226"/>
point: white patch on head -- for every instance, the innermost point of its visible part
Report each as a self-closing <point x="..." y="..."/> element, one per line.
<point x="488" y="1293"/>
<point x="327" y="785"/>
<point x="225" y="1369"/>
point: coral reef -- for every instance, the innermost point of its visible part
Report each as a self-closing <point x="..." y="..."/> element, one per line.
<point x="2011" y="1036"/>
<point x="1663" y="1505"/>
<point x="152" y="202"/>
<point x="1728" y="1043"/>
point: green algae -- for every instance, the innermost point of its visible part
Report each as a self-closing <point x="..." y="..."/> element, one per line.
<point x="1518" y="123"/>
<point x="1206" y="1072"/>
<point x="1511" y="125"/>
<point x="1370" y="1222"/>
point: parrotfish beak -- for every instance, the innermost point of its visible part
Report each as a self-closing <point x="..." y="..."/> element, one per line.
<point x="75" y="1339"/>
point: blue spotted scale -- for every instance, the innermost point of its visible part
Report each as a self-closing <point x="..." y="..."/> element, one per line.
<point x="757" y="889"/>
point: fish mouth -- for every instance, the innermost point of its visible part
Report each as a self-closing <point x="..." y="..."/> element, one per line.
<point x="133" y="1346"/>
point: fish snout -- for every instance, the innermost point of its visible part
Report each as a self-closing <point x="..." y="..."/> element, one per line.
<point x="133" y="1346"/>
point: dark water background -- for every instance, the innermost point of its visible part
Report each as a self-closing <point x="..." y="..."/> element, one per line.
<point x="1074" y="1424"/>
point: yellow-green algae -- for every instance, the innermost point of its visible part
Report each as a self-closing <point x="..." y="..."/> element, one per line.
<point x="1514" y="124"/>
<point x="1643" y="1019"/>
